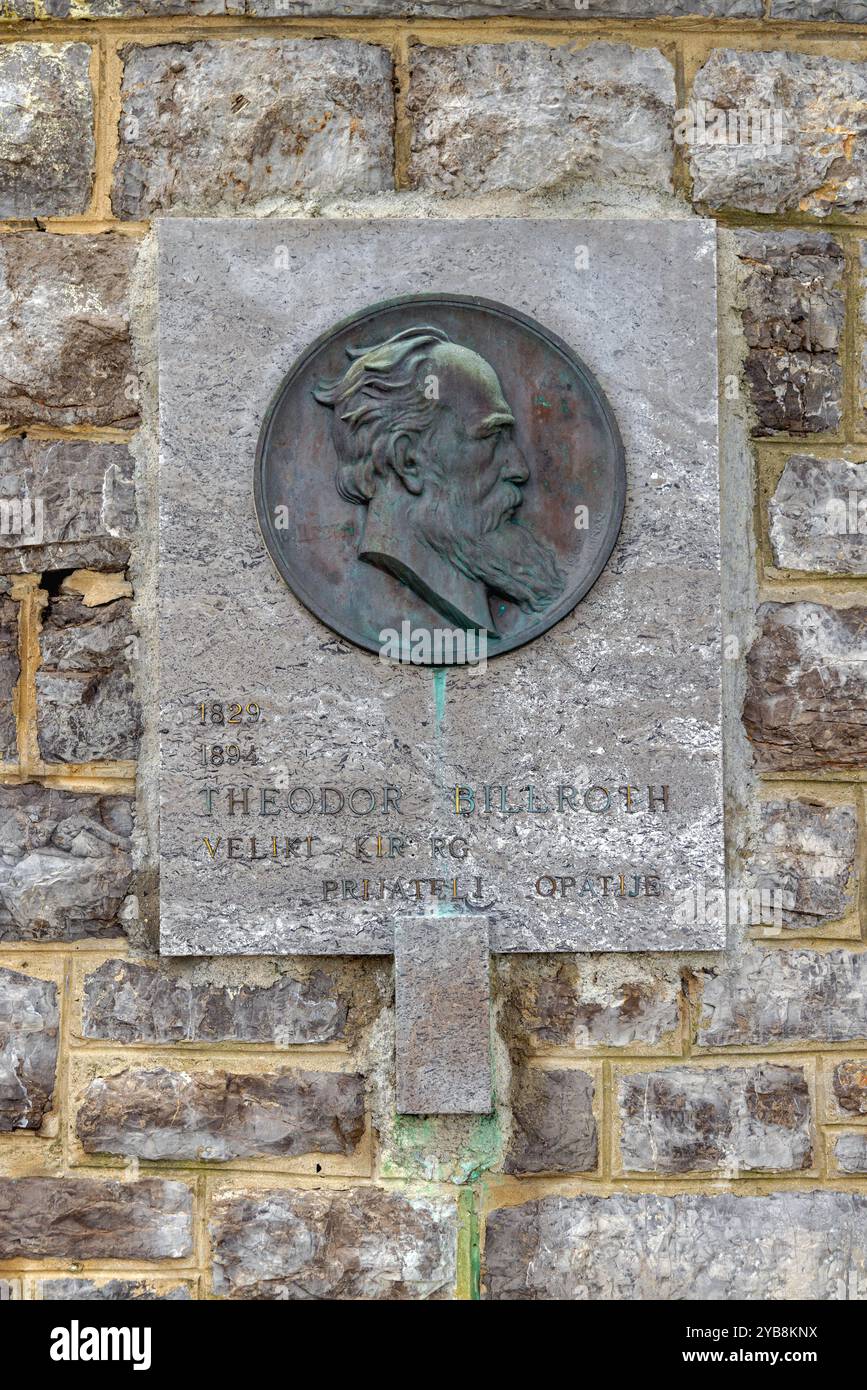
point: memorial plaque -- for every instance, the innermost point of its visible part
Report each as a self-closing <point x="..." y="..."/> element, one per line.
<point x="439" y="585"/>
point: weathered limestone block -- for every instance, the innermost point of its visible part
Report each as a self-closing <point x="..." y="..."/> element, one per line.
<point x="81" y="503"/>
<point x="805" y="706"/>
<point x="265" y="120"/>
<point x="46" y="129"/>
<point x="9" y="671"/>
<point x="850" y="1151"/>
<point x="362" y="1244"/>
<point x="847" y="11"/>
<point x="815" y="162"/>
<point x="792" y="313"/>
<point x="730" y="1119"/>
<point x="29" y="1023"/>
<point x="127" y="1002"/>
<point x="10" y="1290"/>
<point x="553" y="1125"/>
<point x="790" y="1245"/>
<point x="65" y="863"/>
<point x="528" y="117"/>
<point x="221" y="1115"/>
<point x="111" y="1290"/>
<point x="85" y="705"/>
<point x="786" y="997"/>
<point x="92" y="1219"/>
<point x="818" y="516"/>
<point x="850" y="1087"/>
<point x="549" y="1001"/>
<point x="804" y="860"/>
<point x="64" y="329"/>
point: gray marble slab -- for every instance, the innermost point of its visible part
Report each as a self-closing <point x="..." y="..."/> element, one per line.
<point x="623" y="692"/>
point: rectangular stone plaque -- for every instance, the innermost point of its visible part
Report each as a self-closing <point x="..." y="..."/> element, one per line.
<point x="441" y="981"/>
<point x="312" y="793"/>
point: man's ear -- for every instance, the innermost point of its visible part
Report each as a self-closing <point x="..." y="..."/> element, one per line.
<point x="406" y="465"/>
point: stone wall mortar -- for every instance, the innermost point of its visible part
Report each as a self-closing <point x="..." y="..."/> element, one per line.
<point x="605" y="1017"/>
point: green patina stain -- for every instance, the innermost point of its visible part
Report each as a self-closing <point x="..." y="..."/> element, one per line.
<point x="417" y="1139"/>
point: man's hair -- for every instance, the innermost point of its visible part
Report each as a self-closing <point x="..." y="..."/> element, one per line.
<point x="378" y="400"/>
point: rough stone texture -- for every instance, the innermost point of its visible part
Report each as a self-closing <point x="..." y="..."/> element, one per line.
<point x="127" y="1002"/>
<point x="818" y="516"/>
<point x="91" y="1219"/>
<point x="819" y="163"/>
<point x="850" y="1087"/>
<point x="786" y="997"/>
<point x="64" y="326"/>
<point x="850" y="1151"/>
<point x="46" y="129"/>
<point x="553" y="1126"/>
<point x="805" y="706"/>
<point x="442" y="997"/>
<point x="532" y="118"/>
<point x="564" y="1009"/>
<point x="430" y="9"/>
<point x="362" y="1244"/>
<point x="9" y="1290"/>
<point x="805" y="854"/>
<point x="847" y="11"/>
<point x="221" y="1115"/>
<point x="64" y="863"/>
<point x="29" y="1023"/>
<point x="790" y="1245"/>
<point x="647" y="701"/>
<point x="111" y="1291"/>
<point x="792" y="310"/>
<point x="265" y="120"/>
<point x="9" y="671"/>
<point x="87" y="500"/>
<point x="730" y="1119"/>
<point x="86" y="708"/>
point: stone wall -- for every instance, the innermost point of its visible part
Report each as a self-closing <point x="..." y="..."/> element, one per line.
<point x="666" y="1127"/>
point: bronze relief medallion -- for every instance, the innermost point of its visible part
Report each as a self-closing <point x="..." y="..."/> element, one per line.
<point x="439" y="463"/>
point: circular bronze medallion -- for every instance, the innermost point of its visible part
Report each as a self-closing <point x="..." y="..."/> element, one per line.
<point x="438" y="478"/>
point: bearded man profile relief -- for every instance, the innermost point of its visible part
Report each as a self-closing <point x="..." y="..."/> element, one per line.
<point x="424" y="439"/>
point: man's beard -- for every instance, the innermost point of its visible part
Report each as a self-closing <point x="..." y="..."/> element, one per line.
<point x="485" y="543"/>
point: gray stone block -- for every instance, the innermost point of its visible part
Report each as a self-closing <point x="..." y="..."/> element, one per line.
<point x="792" y="310"/>
<point x="818" y="516"/>
<point x="720" y="1119"/>
<point x="29" y="1026"/>
<point x="786" y="997"/>
<point x="64" y="328"/>
<point x="558" y="1005"/>
<point x="535" y="118"/>
<point x="553" y="1125"/>
<point x="850" y="1087"/>
<point x="442" y="997"/>
<point x="46" y="129"/>
<point x="111" y="1291"/>
<point x="86" y="503"/>
<point x="790" y="1245"/>
<point x="65" y="863"/>
<point x="364" y="1244"/>
<point x="803" y="860"/>
<point x="265" y="121"/>
<point x="805" y="707"/>
<point x="218" y="1115"/>
<point x="9" y="672"/>
<point x="818" y="164"/>
<point x="128" y="1002"/>
<point x="850" y="1151"/>
<point x="93" y="1219"/>
<point x="86" y="709"/>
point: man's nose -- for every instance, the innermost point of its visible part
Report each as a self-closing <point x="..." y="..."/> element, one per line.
<point x="514" y="468"/>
